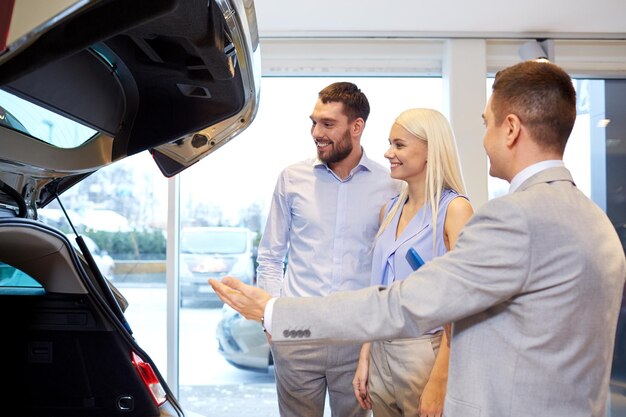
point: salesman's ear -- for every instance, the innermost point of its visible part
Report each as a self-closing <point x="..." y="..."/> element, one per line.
<point x="513" y="126"/>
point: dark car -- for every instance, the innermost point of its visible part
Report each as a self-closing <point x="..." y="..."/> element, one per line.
<point x="97" y="82"/>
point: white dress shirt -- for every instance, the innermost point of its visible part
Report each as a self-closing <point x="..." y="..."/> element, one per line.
<point x="531" y="170"/>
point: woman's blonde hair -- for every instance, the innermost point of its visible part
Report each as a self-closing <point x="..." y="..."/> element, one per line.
<point x="443" y="168"/>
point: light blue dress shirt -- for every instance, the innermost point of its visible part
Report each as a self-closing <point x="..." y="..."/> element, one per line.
<point x="325" y="225"/>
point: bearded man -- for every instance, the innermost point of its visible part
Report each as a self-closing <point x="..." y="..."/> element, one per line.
<point x="323" y="218"/>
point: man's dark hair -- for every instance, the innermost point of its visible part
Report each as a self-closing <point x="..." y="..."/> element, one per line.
<point x="354" y="102"/>
<point x="541" y="94"/>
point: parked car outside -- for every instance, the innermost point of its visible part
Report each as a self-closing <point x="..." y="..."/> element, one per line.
<point x="98" y="81"/>
<point x="212" y="252"/>
<point x="242" y="342"/>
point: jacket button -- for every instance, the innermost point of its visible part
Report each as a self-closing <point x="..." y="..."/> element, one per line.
<point x="307" y="333"/>
<point x="292" y="333"/>
<point x="285" y="333"/>
<point x="299" y="333"/>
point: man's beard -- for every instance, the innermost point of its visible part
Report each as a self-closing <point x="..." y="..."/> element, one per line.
<point x="340" y="150"/>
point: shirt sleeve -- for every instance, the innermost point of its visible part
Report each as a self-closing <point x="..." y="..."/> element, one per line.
<point x="267" y="315"/>
<point x="275" y="241"/>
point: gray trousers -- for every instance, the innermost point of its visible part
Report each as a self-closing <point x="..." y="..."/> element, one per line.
<point x="304" y="372"/>
<point x="398" y="372"/>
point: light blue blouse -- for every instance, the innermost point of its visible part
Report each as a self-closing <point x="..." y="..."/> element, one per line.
<point x="389" y="260"/>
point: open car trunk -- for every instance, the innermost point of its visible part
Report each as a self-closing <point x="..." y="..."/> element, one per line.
<point x="178" y="78"/>
<point x="61" y="327"/>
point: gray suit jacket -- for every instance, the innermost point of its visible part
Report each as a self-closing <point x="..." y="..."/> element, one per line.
<point x="533" y="287"/>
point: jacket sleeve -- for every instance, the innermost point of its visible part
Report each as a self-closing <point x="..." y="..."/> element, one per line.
<point x="488" y="266"/>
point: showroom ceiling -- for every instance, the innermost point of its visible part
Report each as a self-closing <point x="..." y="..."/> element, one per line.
<point x="452" y="18"/>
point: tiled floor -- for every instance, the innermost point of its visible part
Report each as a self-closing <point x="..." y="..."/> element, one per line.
<point x="243" y="400"/>
<point x="236" y="400"/>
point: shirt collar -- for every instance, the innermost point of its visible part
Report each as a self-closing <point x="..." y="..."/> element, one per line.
<point x="531" y="170"/>
<point x="364" y="164"/>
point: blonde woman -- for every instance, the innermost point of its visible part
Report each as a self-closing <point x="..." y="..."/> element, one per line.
<point x="408" y="377"/>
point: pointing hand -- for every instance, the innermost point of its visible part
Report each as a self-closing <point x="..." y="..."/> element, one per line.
<point x="249" y="301"/>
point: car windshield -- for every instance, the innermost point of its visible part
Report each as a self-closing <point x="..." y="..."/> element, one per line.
<point x="15" y="282"/>
<point x="224" y="242"/>
<point x="40" y="123"/>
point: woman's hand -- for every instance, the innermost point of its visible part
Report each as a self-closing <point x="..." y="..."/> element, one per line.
<point x="360" y="382"/>
<point x="433" y="396"/>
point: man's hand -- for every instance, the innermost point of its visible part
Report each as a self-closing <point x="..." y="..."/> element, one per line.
<point x="249" y="301"/>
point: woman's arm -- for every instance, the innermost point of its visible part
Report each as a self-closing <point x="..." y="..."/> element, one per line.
<point x="458" y="213"/>
<point x="431" y="403"/>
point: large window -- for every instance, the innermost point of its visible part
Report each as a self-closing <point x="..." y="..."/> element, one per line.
<point x="609" y="169"/>
<point x="237" y="180"/>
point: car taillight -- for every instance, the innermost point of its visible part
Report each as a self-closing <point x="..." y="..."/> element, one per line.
<point x="149" y="379"/>
<point x="6" y="13"/>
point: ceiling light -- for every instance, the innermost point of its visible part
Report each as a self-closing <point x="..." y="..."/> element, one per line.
<point x="537" y="50"/>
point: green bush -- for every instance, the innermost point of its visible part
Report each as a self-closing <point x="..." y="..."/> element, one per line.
<point x="137" y="245"/>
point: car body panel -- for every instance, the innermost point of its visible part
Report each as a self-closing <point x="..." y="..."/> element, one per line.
<point x="242" y="342"/>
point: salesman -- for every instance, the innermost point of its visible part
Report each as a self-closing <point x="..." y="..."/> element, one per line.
<point x="533" y="286"/>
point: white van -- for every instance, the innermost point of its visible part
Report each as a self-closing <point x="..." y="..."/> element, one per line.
<point x="213" y="252"/>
